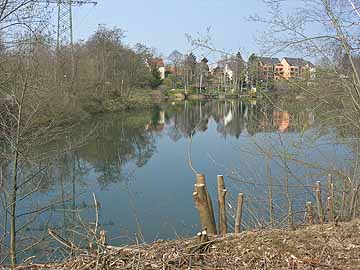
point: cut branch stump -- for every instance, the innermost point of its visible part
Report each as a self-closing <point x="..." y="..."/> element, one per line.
<point x="319" y="206"/>
<point x="200" y="179"/>
<point x="202" y="205"/>
<point x="239" y="211"/>
<point x="309" y="213"/>
<point x="221" y="204"/>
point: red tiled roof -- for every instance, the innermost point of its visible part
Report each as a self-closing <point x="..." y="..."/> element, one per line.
<point x="158" y="62"/>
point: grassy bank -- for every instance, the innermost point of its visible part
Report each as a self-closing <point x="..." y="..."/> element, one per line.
<point x="332" y="246"/>
<point x="137" y="100"/>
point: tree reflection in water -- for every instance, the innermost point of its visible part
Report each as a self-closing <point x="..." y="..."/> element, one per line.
<point x="136" y="163"/>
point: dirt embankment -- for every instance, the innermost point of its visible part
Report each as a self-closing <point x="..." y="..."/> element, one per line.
<point x="316" y="247"/>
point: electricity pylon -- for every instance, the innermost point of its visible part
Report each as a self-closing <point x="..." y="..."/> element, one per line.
<point x="65" y="19"/>
<point x="65" y="36"/>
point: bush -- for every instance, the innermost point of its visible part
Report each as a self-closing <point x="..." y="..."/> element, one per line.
<point x="168" y="83"/>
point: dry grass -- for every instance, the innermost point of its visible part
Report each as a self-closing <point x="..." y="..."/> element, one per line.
<point x="316" y="247"/>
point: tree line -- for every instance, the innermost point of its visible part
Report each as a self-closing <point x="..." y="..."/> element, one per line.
<point x="99" y="69"/>
<point x="194" y="75"/>
<point x="44" y="91"/>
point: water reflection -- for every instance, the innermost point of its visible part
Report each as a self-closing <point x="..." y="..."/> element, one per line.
<point x="282" y="120"/>
<point x="136" y="164"/>
<point x="233" y="118"/>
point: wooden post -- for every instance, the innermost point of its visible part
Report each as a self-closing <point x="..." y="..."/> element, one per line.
<point x="103" y="238"/>
<point x="202" y="205"/>
<point x="320" y="209"/>
<point x="270" y="191"/>
<point x="239" y="211"/>
<point x="355" y="202"/>
<point x="291" y="217"/>
<point x="198" y="236"/>
<point x="221" y="204"/>
<point x="204" y="236"/>
<point x="329" y="182"/>
<point x="331" y="208"/>
<point x="343" y="201"/>
<point x="352" y="212"/>
<point x="309" y="213"/>
<point x="200" y="179"/>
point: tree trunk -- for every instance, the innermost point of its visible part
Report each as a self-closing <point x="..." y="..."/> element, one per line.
<point x="13" y="212"/>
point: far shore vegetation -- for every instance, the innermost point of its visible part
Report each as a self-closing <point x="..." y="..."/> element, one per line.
<point x="50" y="87"/>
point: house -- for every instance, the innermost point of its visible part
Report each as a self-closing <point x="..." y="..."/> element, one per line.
<point x="229" y="73"/>
<point x="234" y="67"/>
<point x="222" y="70"/>
<point x="297" y="68"/>
<point x="269" y="68"/>
<point x="159" y="63"/>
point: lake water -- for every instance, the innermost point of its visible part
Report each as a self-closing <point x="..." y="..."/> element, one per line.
<point x="137" y="166"/>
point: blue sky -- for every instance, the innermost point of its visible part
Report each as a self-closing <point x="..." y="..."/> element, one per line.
<point x="163" y="24"/>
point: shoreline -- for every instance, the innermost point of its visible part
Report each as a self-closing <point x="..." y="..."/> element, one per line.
<point x="330" y="246"/>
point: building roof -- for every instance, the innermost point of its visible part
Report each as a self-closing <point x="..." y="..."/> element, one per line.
<point x="300" y="62"/>
<point x="216" y="69"/>
<point x="231" y="62"/>
<point x="269" y="61"/>
<point x="158" y="62"/>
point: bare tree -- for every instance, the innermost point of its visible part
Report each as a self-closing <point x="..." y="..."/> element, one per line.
<point x="175" y="58"/>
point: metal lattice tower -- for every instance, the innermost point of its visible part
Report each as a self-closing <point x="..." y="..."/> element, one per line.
<point x="64" y="24"/>
<point x="65" y="37"/>
<point x="65" y="19"/>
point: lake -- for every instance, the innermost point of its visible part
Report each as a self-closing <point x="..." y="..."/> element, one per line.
<point x="137" y="166"/>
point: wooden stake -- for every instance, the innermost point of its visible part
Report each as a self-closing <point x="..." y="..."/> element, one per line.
<point x="353" y="202"/>
<point x="201" y="203"/>
<point x="270" y="191"/>
<point x="291" y="217"/>
<point x="343" y="201"/>
<point x="331" y="208"/>
<point x="309" y="213"/>
<point x="199" y="237"/>
<point x="329" y="182"/>
<point x="221" y="204"/>
<point x="204" y="236"/>
<point x="200" y="179"/>
<point x="319" y="203"/>
<point x="239" y="211"/>
<point x="103" y="238"/>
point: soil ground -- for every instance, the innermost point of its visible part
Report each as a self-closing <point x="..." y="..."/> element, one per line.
<point x="331" y="246"/>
